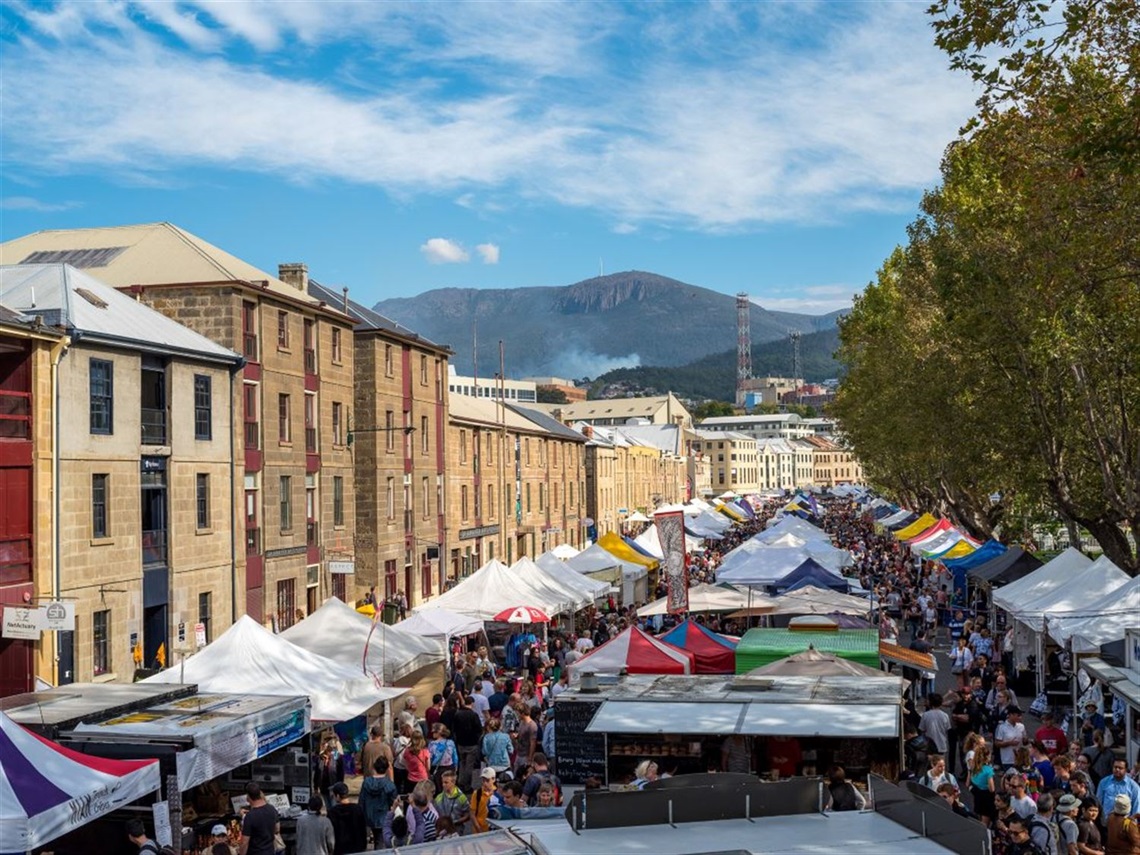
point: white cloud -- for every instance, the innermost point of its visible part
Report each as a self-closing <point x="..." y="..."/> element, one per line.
<point x="30" y="203"/>
<point x="624" y="229"/>
<point x="489" y="252"/>
<point x="722" y="123"/>
<point x="808" y="299"/>
<point x="444" y="251"/>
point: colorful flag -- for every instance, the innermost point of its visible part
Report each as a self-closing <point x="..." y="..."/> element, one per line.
<point x="671" y="533"/>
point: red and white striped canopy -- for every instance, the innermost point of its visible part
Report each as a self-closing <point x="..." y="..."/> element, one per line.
<point x="638" y="653"/>
<point x="522" y="614"/>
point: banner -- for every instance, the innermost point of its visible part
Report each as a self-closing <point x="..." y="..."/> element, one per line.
<point x="671" y="533"/>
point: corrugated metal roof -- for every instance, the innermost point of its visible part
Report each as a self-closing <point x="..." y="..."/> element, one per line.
<point x="62" y="296"/>
<point x="488" y="412"/>
<point x="367" y="319"/>
<point x="149" y="254"/>
<point x="616" y="408"/>
<point x="547" y="423"/>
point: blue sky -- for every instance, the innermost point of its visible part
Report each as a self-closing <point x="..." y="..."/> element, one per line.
<point x="776" y="148"/>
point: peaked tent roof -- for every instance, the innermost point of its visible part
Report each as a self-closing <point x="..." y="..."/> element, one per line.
<point x="710" y="598"/>
<point x="650" y="541"/>
<point x="764" y="566"/>
<point x="1061" y="570"/>
<point x="897" y="517"/>
<point x="638" y="548"/>
<point x="813" y="663"/>
<point x="793" y="525"/>
<point x="564" y="575"/>
<point x="1011" y="565"/>
<point x="826" y="554"/>
<point x="434" y="622"/>
<point x="1098" y="621"/>
<point x="594" y="559"/>
<point x="712" y="653"/>
<point x="47" y="790"/>
<point x="930" y="533"/>
<point x="960" y="549"/>
<point x="812" y="573"/>
<point x="557" y="586"/>
<point x="1086" y="587"/>
<point x="940" y="543"/>
<point x="638" y="653"/>
<point x="981" y="555"/>
<point x="812" y="600"/>
<point x="494" y="587"/>
<point x="611" y="542"/>
<point x="920" y="525"/>
<point x="250" y="656"/>
<point x="339" y="632"/>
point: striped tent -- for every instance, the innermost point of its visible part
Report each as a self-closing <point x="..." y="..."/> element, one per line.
<point x="47" y="790"/>
<point x="636" y="652"/>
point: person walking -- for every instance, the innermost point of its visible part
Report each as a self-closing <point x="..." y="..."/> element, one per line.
<point x="314" y="831"/>
<point x="378" y="794"/>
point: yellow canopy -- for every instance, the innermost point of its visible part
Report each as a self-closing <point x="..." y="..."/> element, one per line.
<point x="731" y="513"/>
<point x="962" y="547"/>
<point x="366" y="609"/>
<point x="917" y="527"/>
<point x="612" y="543"/>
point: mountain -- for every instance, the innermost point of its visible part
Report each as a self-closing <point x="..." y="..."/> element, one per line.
<point x="585" y="329"/>
<point x="714" y="376"/>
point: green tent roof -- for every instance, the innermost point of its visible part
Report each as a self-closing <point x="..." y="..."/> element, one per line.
<point x="761" y="647"/>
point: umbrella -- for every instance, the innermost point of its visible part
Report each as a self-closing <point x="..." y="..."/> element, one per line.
<point x="522" y="614"/>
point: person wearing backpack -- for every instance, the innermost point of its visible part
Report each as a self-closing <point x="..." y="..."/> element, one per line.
<point x="1043" y="830"/>
<point x="1020" y="841"/>
<point x="542" y="775"/>
<point x="1067" y="829"/>
<point x="136" y="833"/>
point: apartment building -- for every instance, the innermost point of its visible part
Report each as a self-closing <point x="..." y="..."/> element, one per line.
<point x="776" y="464"/>
<point x="398" y="435"/>
<point x="773" y="426"/>
<point x="145" y="507"/>
<point x="29" y="353"/>
<point x="732" y="460"/>
<point x="514" y="391"/>
<point x="833" y="464"/>
<point x="295" y="471"/>
<point x="611" y="412"/>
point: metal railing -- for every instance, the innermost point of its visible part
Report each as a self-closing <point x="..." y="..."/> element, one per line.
<point x="253" y="541"/>
<point x="153" y="426"/>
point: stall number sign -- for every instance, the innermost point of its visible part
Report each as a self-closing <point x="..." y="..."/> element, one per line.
<point x="200" y="634"/>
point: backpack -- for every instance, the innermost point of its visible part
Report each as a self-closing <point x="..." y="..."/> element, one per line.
<point x="152" y="846"/>
<point x="1051" y="830"/>
<point x="549" y="777"/>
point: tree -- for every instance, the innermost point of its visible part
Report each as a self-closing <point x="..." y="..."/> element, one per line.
<point x="712" y="409"/>
<point x="550" y="395"/>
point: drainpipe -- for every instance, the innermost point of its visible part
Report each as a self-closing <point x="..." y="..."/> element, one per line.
<point x="233" y="503"/>
<point x="57" y="354"/>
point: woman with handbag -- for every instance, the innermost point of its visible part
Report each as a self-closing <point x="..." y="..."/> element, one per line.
<point x="961" y="661"/>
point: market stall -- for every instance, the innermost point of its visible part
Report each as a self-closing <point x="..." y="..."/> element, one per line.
<point x="762" y="646"/>
<point x="712" y="652"/>
<point x="776" y="726"/>
<point x="635" y="652"/>
<point x="1122" y="681"/>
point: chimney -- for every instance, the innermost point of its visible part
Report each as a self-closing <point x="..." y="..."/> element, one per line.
<point x="296" y="274"/>
<point x="588" y="431"/>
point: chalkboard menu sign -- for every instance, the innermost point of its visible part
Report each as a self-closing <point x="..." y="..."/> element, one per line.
<point x="580" y="755"/>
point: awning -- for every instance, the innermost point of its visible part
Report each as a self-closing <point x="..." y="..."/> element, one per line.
<point x="1101" y="670"/>
<point x="907" y="657"/>
<point x="748" y="717"/>
<point x="658" y="717"/>
<point x="861" y="721"/>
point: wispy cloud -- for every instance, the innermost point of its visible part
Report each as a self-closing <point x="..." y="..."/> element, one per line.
<point x="687" y="116"/>
<point x="30" y="203"/>
<point x="809" y="300"/>
<point x="444" y="251"/>
<point x="488" y="252"/>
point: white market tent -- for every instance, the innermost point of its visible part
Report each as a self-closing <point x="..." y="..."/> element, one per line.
<point x="767" y="566"/>
<point x="249" y="658"/>
<point x="1062" y="570"/>
<point x="709" y="598"/>
<point x="811" y="600"/>
<point x="826" y="554"/>
<point x="595" y="559"/>
<point x="47" y="790"/>
<point x="493" y="588"/>
<point x="444" y="624"/>
<point x="564" y="550"/>
<point x="650" y="541"/>
<point x="1085" y="587"/>
<point x="589" y="587"/>
<point x="791" y="524"/>
<point x="898" y="516"/>
<point x="1099" y="622"/>
<point x="540" y="579"/>
<point x="341" y="633"/>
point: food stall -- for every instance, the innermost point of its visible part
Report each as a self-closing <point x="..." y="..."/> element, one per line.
<point x="762" y="646"/>
<point x="788" y="725"/>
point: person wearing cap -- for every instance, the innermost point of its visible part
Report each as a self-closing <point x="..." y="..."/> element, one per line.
<point x="1111" y="787"/>
<point x="1123" y="829"/>
<point x="483" y="800"/>
<point x="315" y="834"/>
<point x="1009" y="736"/>
<point x="1065" y="816"/>
<point x="220" y="836"/>
<point x="348" y="822"/>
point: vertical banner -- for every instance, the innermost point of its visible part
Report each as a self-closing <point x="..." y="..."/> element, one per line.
<point x="671" y="533"/>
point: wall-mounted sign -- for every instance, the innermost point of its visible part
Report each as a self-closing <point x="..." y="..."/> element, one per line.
<point x="24" y="622"/>
<point x="481" y="531"/>
<point x="285" y="552"/>
<point x="59" y="616"/>
<point x="346" y="568"/>
<point x="200" y="635"/>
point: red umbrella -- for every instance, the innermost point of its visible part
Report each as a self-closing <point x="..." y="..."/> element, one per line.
<point x="522" y="614"/>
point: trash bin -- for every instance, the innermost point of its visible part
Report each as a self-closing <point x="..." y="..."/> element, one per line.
<point x="390" y="613"/>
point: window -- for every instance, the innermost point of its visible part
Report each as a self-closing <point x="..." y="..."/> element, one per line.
<point x="286" y="502"/>
<point x="426" y="496"/>
<point x="423" y="371"/>
<point x="202" y="407"/>
<point x="310" y="346"/>
<point x="283" y="330"/>
<point x="389" y="430"/>
<point x="252" y="530"/>
<point x="99" y="505"/>
<point x="528" y="498"/>
<point x="102" y="396"/>
<point x="284" y="428"/>
<point x="423" y="435"/>
<point x="338" y="500"/>
<point x="463" y="502"/>
<point x="388" y="360"/>
<point x="389" y="578"/>
<point x="490" y="501"/>
<point x="202" y="492"/>
<point x="526" y="450"/>
<point x="252" y="426"/>
<point x="310" y="423"/>
<point x="541" y="497"/>
<point x="390" y="498"/>
<point x="249" y="330"/>
<point x="463" y="446"/>
<point x="571" y="502"/>
<point x="425" y="580"/>
<point x="335" y="346"/>
<point x="206" y="615"/>
<point x="101" y="642"/>
<point x="340" y="587"/>
<point x="338" y="423"/>
<point x="478" y="497"/>
<point x="286" y="603"/>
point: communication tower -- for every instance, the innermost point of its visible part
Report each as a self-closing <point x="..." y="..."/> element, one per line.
<point x="743" y="344"/>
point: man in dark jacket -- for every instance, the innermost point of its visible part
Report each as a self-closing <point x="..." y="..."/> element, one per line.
<point x="467" y="733"/>
<point x="349" y="826"/>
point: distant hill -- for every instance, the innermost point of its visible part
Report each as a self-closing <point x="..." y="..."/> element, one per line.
<point x="585" y="329"/>
<point x="714" y="376"/>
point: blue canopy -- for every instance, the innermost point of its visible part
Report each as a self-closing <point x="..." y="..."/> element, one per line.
<point x="745" y="507"/>
<point x="885" y="511"/>
<point x="959" y="566"/>
<point x="811" y="572"/>
<point x="637" y="547"/>
<point x="904" y="522"/>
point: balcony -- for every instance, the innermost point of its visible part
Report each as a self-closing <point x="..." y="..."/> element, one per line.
<point x="154" y="546"/>
<point x="310" y="361"/>
<point x="253" y="435"/>
<point x="253" y="541"/>
<point x="153" y="426"/>
<point x="250" y="346"/>
<point x="310" y="440"/>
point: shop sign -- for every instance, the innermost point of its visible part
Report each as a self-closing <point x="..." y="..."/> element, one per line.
<point x="274" y="735"/>
<point x="162" y="833"/>
<point x="343" y="568"/>
<point x="22" y="622"/>
<point x="59" y="616"/>
<point x="286" y="551"/>
<point x="200" y="634"/>
<point x="481" y="531"/>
